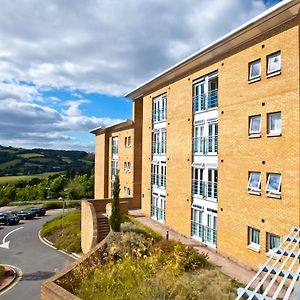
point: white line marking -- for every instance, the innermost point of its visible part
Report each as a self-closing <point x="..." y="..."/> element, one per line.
<point x="4" y="244"/>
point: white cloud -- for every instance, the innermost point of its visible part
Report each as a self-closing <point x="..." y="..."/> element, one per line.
<point x="102" y="46"/>
<point x="108" y="46"/>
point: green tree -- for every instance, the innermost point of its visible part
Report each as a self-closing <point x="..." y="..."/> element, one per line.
<point x="57" y="186"/>
<point x="115" y="218"/>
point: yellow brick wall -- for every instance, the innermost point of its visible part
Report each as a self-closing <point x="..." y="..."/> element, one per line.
<point x="237" y="99"/>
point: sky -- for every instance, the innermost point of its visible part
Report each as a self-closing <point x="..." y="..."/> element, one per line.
<point x="65" y="65"/>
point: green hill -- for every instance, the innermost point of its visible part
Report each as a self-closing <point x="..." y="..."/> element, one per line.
<point x="21" y="162"/>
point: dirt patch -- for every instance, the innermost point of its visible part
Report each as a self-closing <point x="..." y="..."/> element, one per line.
<point x="8" y="275"/>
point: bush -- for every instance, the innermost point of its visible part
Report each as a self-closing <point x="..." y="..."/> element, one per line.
<point x="4" y="202"/>
<point x="2" y="272"/>
<point x="59" y="204"/>
<point x="165" y="246"/>
<point x="130" y="227"/>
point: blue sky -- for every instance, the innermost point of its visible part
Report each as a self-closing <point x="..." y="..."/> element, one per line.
<point x="65" y="65"/>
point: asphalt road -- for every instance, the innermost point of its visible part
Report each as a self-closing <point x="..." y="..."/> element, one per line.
<point x="36" y="260"/>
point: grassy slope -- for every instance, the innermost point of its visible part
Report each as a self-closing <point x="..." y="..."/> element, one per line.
<point x="15" y="179"/>
<point x="10" y="163"/>
<point x="30" y="155"/>
<point x="71" y="239"/>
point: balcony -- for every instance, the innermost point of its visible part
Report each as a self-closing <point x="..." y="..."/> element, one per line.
<point x="205" y="145"/>
<point x="159" y="115"/>
<point x="158" y="180"/>
<point x="205" y="189"/>
<point x="205" y="101"/>
<point x="159" y="148"/>
<point x="206" y="234"/>
<point x="158" y="213"/>
<point x="115" y="150"/>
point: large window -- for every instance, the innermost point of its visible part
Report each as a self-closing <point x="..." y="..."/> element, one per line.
<point x="159" y="108"/>
<point x="274" y="183"/>
<point x="115" y="145"/>
<point x="253" y="238"/>
<point x="254" y="124"/>
<point x="273" y="242"/>
<point x="254" y="181"/>
<point x="274" y="63"/>
<point x="255" y="69"/>
<point x="274" y="123"/>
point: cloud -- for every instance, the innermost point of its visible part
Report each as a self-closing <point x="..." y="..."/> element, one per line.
<point x="108" y="46"/>
<point x="94" y="46"/>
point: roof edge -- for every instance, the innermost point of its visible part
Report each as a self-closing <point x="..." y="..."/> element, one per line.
<point x="121" y="124"/>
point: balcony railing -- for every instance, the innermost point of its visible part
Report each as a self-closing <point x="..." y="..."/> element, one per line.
<point x="158" y="180"/>
<point x="205" y="145"/>
<point x="206" y="234"/>
<point x="114" y="149"/>
<point x="159" y="148"/>
<point x="159" y="115"/>
<point x="158" y="213"/>
<point x="206" y="189"/>
<point x="205" y="101"/>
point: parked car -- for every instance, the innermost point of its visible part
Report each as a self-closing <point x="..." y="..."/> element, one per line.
<point x="9" y="219"/>
<point x="38" y="211"/>
<point x="25" y="215"/>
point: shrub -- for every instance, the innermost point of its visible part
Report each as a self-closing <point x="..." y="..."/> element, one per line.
<point x="130" y="227"/>
<point x="116" y="217"/>
<point x="189" y="259"/>
<point x="59" y="204"/>
<point x="2" y="272"/>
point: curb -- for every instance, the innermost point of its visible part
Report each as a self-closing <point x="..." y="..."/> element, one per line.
<point x="50" y="244"/>
<point x="16" y="278"/>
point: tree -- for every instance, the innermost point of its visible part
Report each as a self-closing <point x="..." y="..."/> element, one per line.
<point x="115" y="218"/>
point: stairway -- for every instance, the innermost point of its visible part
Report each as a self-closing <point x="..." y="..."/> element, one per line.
<point x="102" y="227"/>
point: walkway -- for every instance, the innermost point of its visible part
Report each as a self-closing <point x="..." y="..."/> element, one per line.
<point x="226" y="265"/>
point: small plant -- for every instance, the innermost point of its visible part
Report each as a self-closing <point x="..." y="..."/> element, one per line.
<point x="116" y="217"/>
<point x="129" y="227"/>
<point x="2" y="272"/>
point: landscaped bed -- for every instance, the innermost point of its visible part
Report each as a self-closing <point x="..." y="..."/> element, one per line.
<point x="64" y="231"/>
<point x="137" y="264"/>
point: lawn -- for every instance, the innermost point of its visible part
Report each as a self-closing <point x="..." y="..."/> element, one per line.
<point x="10" y="163"/>
<point x="15" y="179"/>
<point x="30" y="155"/>
<point x="69" y="238"/>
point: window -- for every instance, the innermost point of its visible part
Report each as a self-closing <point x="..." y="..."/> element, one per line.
<point x="273" y="241"/>
<point x="115" y="145"/>
<point x="274" y="183"/>
<point x="254" y="181"/>
<point x="253" y="238"/>
<point x="128" y="191"/>
<point x="274" y="123"/>
<point x="125" y="166"/>
<point x="254" y="124"/>
<point x="129" y="167"/>
<point x="274" y="63"/>
<point x="159" y="108"/>
<point x="255" y="69"/>
<point x="129" y="141"/>
<point x="125" y="143"/>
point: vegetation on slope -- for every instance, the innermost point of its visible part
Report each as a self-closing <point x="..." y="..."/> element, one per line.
<point x="64" y="231"/>
<point x="18" y="161"/>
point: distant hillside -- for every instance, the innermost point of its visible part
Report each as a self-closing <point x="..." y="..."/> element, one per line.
<point x="18" y="161"/>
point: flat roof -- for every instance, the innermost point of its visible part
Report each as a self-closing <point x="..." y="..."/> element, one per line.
<point x="121" y="124"/>
<point x="272" y="17"/>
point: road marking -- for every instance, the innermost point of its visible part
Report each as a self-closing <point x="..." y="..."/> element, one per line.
<point x="4" y="244"/>
<point x="19" y="277"/>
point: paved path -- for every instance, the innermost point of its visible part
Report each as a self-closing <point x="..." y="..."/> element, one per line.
<point x="226" y="265"/>
<point x="36" y="260"/>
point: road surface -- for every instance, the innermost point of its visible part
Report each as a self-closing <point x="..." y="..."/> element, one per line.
<point x="36" y="260"/>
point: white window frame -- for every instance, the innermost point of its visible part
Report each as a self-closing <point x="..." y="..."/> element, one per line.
<point x="277" y="192"/>
<point x="273" y="132"/>
<point x="253" y="245"/>
<point x="250" y="132"/>
<point x="269" y="57"/>
<point x="128" y="166"/>
<point x="251" y="64"/>
<point x="256" y="189"/>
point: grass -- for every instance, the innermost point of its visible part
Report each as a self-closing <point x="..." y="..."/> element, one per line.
<point x="70" y="238"/>
<point x="163" y="270"/>
<point x="10" y="163"/>
<point x="2" y="273"/>
<point x="15" y="179"/>
<point x="30" y="155"/>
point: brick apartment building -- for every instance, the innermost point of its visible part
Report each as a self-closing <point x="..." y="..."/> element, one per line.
<point x="213" y="147"/>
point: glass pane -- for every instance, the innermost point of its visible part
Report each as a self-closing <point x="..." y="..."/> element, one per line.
<point x="255" y="124"/>
<point x="275" y="122"/>
<point x="274" y="182"/>
<point x="255" y="236"/>
<point x="274" y="63"/>
<point x="274" y="241"/>
<point x="255" y="69"/>
<point x="254" y="180"/>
